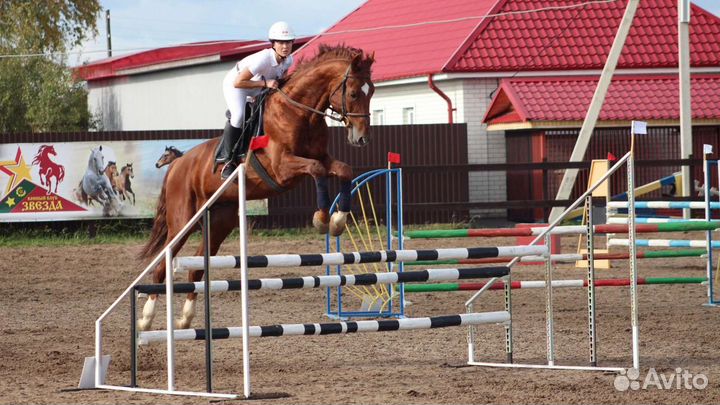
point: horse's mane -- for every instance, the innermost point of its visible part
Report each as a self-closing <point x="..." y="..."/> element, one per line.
<point x="39" y="153"/>
<point x="174" y="150"/>
<point x="327" y="52"/>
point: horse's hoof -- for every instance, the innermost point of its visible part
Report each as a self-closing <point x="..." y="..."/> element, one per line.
<point x="337" y="223"/>
<point x="182" y="323"/>
<point x="321" y="221"/>
<point x="143" y="325"/>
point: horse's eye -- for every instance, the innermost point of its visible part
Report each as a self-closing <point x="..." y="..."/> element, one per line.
<point x="353" y="95"/>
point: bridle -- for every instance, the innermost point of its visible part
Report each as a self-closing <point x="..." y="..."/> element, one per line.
<point x="344" y="114"/>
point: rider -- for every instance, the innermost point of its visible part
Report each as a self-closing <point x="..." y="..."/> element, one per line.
<point x="246" y="79"/>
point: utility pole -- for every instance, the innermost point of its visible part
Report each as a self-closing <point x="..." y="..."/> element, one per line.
<point x="685" y="108"/>
<point x="107" y="28"/>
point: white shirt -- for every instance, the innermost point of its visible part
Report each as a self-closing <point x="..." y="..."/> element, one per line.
<point x="263" y="64"/>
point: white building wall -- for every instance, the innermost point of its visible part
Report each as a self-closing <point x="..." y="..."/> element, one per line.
<point x="429" y="107"/>
<point x="187" y="98"/>
<point x="484" y="146"/>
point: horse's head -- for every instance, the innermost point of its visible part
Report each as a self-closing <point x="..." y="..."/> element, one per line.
<point x="351" y="96"/>
<point x="96" y="162"/>
<point x="129" y="170"/>
<point x="111" y="169"/>
<point x="49" y="150"/>
<point x="171" y="153"/>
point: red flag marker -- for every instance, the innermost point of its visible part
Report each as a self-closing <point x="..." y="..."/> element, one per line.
<point x="611" y="157"/>
<point x="393" y="158"/>
<point x="259" y="142"/>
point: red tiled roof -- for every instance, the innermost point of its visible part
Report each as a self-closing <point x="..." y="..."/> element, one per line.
<point x="628" y="98"/>
<point x="223" y="50"/>
<point x="405" y="51"/>
<point x="580" y="38"/>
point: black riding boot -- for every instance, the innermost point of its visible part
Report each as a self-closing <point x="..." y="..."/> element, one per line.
<point x="224" y="154"/>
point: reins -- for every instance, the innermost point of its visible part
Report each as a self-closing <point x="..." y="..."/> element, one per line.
<point x="344" y="114"/>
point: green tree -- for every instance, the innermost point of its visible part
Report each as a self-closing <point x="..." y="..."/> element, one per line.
<point x="37" y="90"/>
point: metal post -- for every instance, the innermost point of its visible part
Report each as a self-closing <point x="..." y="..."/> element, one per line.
<point x="708" y="234"/>
<point x="133" y="338"/>
<point x="592" y="334"/>
<point x="632" y="253"/>
<point x="244" y="281"/>
<point x="550" y="330"/>
<point x="98" y="352"/>
<point x="685" y="96"/>
<point x="109" y="37"/>
<point x="206" y="296"/>
<point x="508" y="327"/>
<point x="169" y="320"/>
<point x="401" y="244"/>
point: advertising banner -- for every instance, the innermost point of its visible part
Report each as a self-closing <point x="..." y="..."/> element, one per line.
<point x="88" y="180"/>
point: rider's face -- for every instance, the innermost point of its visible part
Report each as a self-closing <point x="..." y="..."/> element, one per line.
<point x="283" y="48"/>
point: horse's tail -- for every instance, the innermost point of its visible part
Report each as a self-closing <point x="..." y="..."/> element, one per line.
<point x="159" y="233"/>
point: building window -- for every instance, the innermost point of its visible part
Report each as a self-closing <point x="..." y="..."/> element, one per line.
<point x="378" y="117"/>
<point x="408" y="115"/>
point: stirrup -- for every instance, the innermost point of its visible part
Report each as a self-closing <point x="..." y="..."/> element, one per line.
<point x="228" y="169"/>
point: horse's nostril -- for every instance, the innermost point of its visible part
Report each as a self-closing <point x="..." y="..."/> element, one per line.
<point x="362" y="141"/>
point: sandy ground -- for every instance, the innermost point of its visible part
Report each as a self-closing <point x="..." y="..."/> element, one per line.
<point x="52" y="296"/>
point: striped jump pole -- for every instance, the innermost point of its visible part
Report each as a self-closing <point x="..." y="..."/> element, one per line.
<point x="664" y="243"/>
<point x="146" y="338"/>
<point x="332" y="281"/>
<point x="653" y="220"/>
<point x="664" y="204"/>
<point x="573" y="257"/>
<point x="382" y="256"/>
<point x="562" y="230"/>
<point x="555" y="284"/>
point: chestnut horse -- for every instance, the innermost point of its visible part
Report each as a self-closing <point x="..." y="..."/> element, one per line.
<point x="337" y="78"/>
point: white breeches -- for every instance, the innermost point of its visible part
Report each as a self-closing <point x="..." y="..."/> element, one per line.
<point x="236" y="99"/>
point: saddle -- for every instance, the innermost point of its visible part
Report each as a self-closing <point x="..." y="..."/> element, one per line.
<point x="253" y="125"/>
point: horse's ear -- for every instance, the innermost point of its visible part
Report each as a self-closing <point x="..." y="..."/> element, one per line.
<point x="100" y="148"/>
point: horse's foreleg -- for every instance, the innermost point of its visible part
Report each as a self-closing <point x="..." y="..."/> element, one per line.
<point x="342" y="171"/>
<point x="220" y="227"/>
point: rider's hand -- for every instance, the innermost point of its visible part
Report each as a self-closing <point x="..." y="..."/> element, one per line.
<point x="272" y="84"/>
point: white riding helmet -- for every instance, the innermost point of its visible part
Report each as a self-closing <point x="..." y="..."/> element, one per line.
<point x="281" y="31"/>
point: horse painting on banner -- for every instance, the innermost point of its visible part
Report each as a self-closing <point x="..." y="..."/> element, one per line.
<point x="123" y="185"/>
<point x="48" y="168"/>
<point x="337" y="78"/>
<point x="96" y="185"/>
<point x="168" y="156"/>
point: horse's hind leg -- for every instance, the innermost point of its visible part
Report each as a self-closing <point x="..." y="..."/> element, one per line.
<point x="221" y="224"/>
<point x="148" y="313"/>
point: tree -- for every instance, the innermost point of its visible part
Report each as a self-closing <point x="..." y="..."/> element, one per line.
<point x="37" y="91"/>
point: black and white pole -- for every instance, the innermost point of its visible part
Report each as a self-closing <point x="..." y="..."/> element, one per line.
<point x="314" y="329"/>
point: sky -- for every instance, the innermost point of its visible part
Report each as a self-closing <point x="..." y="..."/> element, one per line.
<point x="147" y="24"/>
